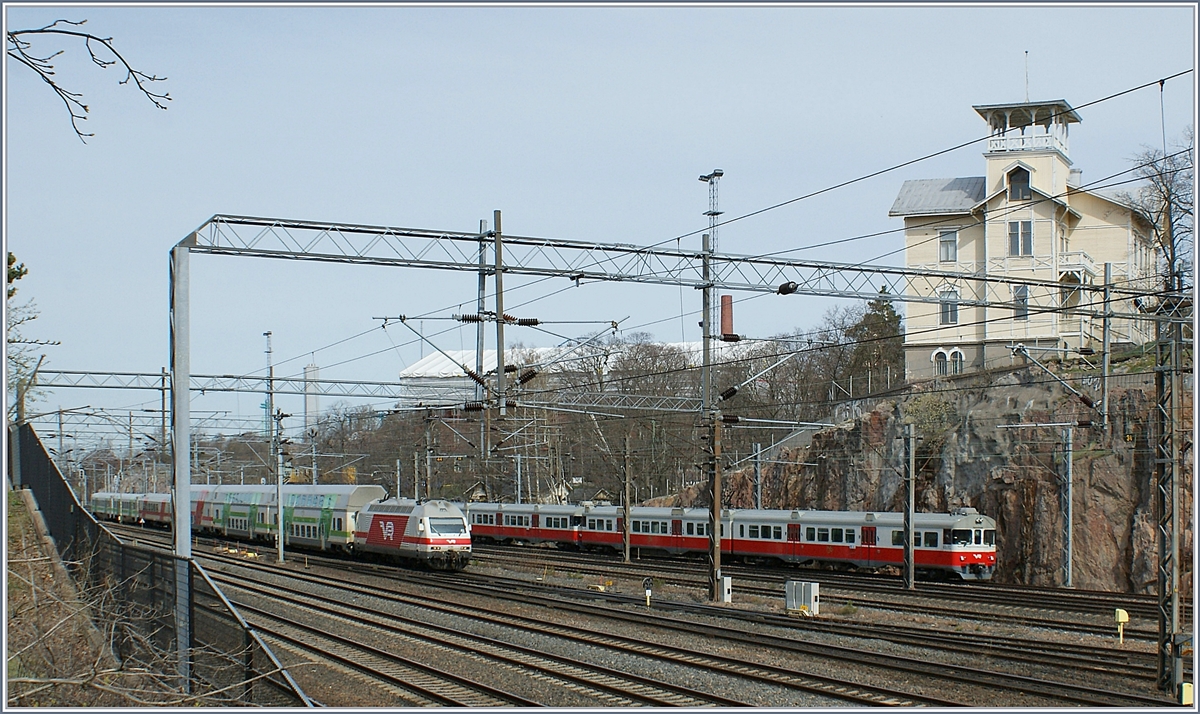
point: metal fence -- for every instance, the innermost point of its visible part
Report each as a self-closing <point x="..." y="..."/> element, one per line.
<point x="135" y="585"/>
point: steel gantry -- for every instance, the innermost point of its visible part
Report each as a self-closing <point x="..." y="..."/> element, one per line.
<point x="583" y="261"/>
<point x="546" y="257"/>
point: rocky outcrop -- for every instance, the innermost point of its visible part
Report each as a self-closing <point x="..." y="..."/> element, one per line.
<point x="969" y="454"/>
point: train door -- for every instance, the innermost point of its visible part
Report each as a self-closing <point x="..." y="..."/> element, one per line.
<point x="868" y="544"/>
<point x="791" y="551"/>
<point x="676" y="535"/>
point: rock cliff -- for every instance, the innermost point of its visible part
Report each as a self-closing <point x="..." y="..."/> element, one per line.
<point x="969" y="453"/>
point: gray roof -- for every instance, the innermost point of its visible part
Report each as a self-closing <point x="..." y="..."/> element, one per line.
<point x="923" y="197"/>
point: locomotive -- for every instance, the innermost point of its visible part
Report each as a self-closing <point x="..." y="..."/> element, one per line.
<point x="959" y="544"/>
<point x="335" y="518"/>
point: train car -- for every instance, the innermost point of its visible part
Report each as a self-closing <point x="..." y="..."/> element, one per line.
<point x="435" y="533"/>
<point x="121" y="507"/>
<point x="961" y="543"/>
<point x="528" y="523"/>
<point x="319" y="516"/>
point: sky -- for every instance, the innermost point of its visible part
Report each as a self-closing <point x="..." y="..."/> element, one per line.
<point x="580" y="123"/>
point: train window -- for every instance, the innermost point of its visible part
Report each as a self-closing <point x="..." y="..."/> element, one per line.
<point x="636" y="526"/>
<point x="701" y="528"/>
<point x="836" y="535"/>
<point x="691" y="529"/>
<point x="931" y="539"/>
<point x="946" y="539"/>
<point x="849" y="535"/>
<point x="610" y="524"/>
<point x="822" y="535"/>
<point x="447" y="527"/>
<point x="655" y="527"/>
<point x="810" y="534"/>
<point x="897" y="537"/>
<point x="978" y="537"/>
<point x="989" y="537"/>
<point x="742" y="530"/>
<point x="754" y="531"/>
<point x="777" y="533"/>
<point x="961" y="536"/>
<point x="576" y="521"/>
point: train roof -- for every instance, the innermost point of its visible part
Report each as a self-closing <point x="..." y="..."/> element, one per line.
<point x="346" y="495"/>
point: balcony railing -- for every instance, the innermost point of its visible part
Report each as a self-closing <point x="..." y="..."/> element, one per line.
<point x="1076" y="261"/>
<point x="1030" y="142"/>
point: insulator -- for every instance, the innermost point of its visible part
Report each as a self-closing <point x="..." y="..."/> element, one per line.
<point x="731" y="338"/>
<point x="1086" y="400"/>
<point x="1084" y="423"/>
<point x="473" y="407"/>
<point x="510" y="368"/>
<point x="729" y="393"/>
<point x="788" y="288"/>
<point x="509" y="318"/>
<point x="475" y="377"/>
<point x="469" y="318"/>
<point x="730" y="419"/>
<point x="528" y="322"/>
<point x="527" y="375"/>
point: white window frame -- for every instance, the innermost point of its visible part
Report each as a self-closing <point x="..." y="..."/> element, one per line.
<point x="948" y="307"/>
<point x="948" y="246"/>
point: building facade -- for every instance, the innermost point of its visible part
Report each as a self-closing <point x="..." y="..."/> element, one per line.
<point x="1029" y="218"/>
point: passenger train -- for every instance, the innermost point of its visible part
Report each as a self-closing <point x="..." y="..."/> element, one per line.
<point x="359" y="520"/>
<point x="344" y="518"/>
<point x="961" y="544"/>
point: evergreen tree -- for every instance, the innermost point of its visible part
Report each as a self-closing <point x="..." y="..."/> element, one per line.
<point x="878" y="339"/>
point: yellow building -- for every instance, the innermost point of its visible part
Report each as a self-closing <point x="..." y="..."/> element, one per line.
<point x="1028" y="219"/>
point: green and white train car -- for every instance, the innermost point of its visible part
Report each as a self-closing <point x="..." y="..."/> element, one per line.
<point x="321" y="516"/>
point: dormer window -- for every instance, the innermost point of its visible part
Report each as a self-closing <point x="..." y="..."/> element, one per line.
<point x="1018" y="185"/>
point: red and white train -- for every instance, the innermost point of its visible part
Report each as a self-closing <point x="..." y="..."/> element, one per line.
<point x="961" y="544"/>
<point x="346" y="518"/>
<point x="357" y="520"/>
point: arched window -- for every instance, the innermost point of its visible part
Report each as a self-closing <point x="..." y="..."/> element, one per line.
<point x="939" y="364"/>
<point x="1018" y="185"/>
<point x="956" y="362"/>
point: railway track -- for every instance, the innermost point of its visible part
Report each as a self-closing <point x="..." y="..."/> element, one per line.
<point x="1057" y="691"/>
<point x="621" y="687"/>
<point x="1102" y="663"/>
<point x="986" y="602"/>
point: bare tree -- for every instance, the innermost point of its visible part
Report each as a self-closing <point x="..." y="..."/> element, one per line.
<point x="20" y="48"/>
<point x="21" y="355"/>
<point x="1167" y="200"/>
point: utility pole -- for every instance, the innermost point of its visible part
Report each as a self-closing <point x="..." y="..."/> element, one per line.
<point x="480" y="394"/>
<point x="313" y="435"/>
<point x="271" y="403"/>
<point x="1107" y="346"/>
<point x="757" y="475"/>
<point x="162" y="440"/>
<point x="397" y="478"/>
<point x="714" y="513"/>
<point x="1069" y="458"/>
<point x="625" y="501"/>
<point x="279" y="504"/>
<point x="909" y="506"/>
<point x="499" y="316"/>
<point x="1168" y="421"/>
<point x="518" y="458"/>
<point x="416" y="476"/>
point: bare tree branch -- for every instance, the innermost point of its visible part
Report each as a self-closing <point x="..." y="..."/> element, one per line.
<point x="21" y="49"/>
